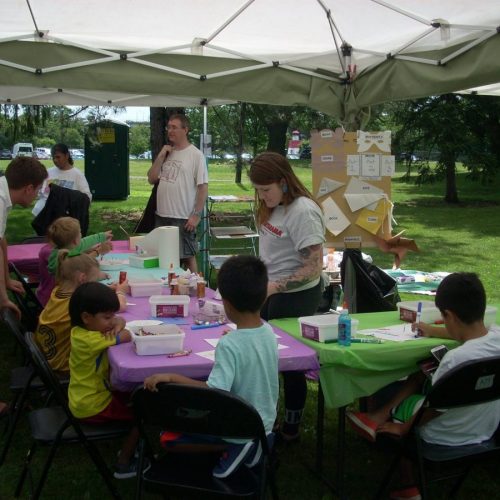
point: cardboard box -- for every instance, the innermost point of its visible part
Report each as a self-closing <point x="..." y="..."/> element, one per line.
<point x="145" y="262"/>
<point x="408" y="311"/>
<point x="164" y="339"/>
<point x="169" y="306"/>
<point x="323" y="327"/>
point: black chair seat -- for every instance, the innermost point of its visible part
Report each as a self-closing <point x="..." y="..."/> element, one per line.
<point x="175" y="472"/>
<point x="46" y="424"/>
<point x="23" y="375"/>
<point x="473" y="452"/>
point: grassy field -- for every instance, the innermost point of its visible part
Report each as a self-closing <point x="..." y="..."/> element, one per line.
<point x="451" y="238"/>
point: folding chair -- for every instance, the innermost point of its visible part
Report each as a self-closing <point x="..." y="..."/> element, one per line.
<point x="199" y="410"/>
<point x="55" y="425"/>
<point x="28" y="302"/>
<point x="23" y="381"/>
<point x="468" y="384"/>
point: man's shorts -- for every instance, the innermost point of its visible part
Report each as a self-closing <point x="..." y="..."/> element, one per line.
<point x="188" y="246"/>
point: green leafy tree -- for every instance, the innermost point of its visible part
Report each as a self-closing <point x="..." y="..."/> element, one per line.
<point x="139" y="138"/>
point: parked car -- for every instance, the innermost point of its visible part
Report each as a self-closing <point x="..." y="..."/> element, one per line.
<point x="5" y="154"/>
<point x="145" y="156"/>
<point x="408" y="157"/>
<point x="41" y="155"/>
<point x="22" y="149"/>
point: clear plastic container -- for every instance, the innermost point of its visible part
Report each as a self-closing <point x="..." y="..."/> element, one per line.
<point x="169" y="306"/>
<point x="164" y="339"/>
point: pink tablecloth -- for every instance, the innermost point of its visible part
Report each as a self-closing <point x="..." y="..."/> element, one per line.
<point x="25" y="257"/>
<point x="128" y="369"/>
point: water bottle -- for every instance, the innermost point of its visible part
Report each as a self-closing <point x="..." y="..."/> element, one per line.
<point x="344" y="326"/>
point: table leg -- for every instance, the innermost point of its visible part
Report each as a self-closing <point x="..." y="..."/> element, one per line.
<point x="320" y="430"/>
<point x="341" y="453"/>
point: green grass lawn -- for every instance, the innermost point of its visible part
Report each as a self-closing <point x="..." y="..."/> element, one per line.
<point x="451" y="238"/>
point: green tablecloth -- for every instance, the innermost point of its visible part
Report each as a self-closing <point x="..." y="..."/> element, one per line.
<point x="348" y="373"/>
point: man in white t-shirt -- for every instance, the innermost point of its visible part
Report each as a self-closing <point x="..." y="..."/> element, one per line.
<point x="181" y="171"/>
<point x="461" y="299"/>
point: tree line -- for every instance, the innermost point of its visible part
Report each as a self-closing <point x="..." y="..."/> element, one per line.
<point x="431" y="134"/>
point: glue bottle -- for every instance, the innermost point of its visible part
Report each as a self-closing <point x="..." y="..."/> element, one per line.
<point x="344" y="326"/>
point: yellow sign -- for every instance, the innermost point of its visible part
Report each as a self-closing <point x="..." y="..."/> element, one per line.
<point x="106" y="135"/>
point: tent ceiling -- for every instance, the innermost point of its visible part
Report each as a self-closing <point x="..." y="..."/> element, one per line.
<point x="152" y="52"/>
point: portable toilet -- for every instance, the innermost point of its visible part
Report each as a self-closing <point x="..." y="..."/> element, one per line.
<point x="107" y="160"/>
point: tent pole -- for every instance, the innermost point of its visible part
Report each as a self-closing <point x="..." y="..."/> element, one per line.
<point x="204" y="219"/>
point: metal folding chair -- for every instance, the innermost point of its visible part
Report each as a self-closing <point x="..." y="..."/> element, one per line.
<point x="470" y="383"/>
<point x="199" y="410"/>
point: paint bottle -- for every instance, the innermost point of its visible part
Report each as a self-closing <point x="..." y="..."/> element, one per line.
<point x="344" y="326"/>
<point x="171" y="273"/>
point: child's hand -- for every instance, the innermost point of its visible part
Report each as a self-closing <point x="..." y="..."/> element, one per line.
<point x="118" y="325"/>
<point x="105" y="247"/>
<point x="421" y="329"/>
<point x="109" y="235"/>
<point x="103" y="276"/>
<point x="122" y="287"/>
<point x="151" y="382"/>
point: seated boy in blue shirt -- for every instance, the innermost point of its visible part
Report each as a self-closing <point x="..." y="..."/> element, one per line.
<point x="246" y="359"/>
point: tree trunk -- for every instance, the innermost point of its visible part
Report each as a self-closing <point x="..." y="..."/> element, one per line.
<point x="277" y="136"/>
<point x="448" y="160"/>
<point x="241" y="130"/>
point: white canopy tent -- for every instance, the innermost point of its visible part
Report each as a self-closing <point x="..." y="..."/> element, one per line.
<point x="337" y="56"/>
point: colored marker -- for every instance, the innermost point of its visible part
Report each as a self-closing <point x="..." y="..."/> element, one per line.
<point x="209" y="325"/>
<point x="419" y="318"/>
<point x="356" y="341"/>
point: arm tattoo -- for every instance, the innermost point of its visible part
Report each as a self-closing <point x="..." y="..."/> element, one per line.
<point x="312" y="263"/>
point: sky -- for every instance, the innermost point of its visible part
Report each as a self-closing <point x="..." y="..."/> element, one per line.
<point x="132" y="113"/>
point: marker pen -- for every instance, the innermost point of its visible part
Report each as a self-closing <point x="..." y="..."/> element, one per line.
<point x="419" y="318"/>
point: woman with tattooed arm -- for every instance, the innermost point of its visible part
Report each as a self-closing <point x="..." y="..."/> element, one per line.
<point x="291" y="237"/>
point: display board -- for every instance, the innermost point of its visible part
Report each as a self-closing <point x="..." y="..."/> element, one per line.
<point x="352" y="181"/>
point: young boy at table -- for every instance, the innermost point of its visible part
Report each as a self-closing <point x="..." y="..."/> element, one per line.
<point x="65" y="233"/>
<point x="92" y="309"/>
<point x="54" y="324"/>
<point x="461" y="299"/>
<point x="19" y="186"/>
<point x="246" y="359"/>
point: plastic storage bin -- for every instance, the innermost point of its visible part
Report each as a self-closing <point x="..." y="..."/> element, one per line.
<point x="408" y="311"/>
<point x="169" y="306"/>
<point x="164" y="339"/>
<point x="323" y="328"/>
<point x="143" y="288"/>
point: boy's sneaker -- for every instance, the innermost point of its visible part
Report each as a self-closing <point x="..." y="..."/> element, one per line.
<point x="232" y="459"/>
<point x="364" y="426"/>
<point x="255" y="453"/>
<point x="410" y="493"/>
<point x="126" y="471"/>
